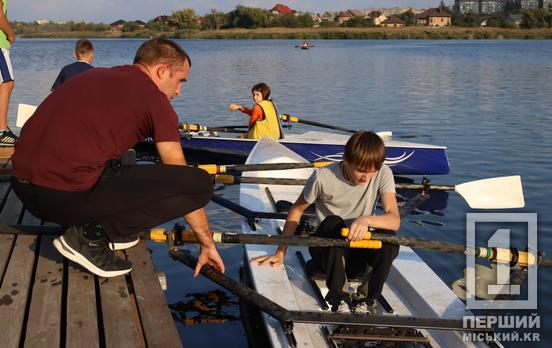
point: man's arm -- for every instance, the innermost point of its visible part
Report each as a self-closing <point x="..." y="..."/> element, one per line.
<point x="290" y="226"/>
<point x="390" y="220"/>
<point x="5" y="25"/>
<point x="171" y="153"/>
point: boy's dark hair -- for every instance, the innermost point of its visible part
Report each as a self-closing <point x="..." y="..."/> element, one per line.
<point x="365" y="150"/>
<point x="83" y="47"/>
<point x="162" y="51"/>
<point x="263" y="88"/>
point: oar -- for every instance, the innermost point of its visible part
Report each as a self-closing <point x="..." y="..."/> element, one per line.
<point x="511" y="256"/>
<point x="502" y="255"/>
<point x="294" y="119"/>
<point x="159" y="235"/>
<point x="194" y="127"/>
<point x="238" y="168"/>
<point x="494" y="193"/>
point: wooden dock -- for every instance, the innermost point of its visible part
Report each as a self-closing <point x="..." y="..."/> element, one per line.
<point x="48" y="301"/>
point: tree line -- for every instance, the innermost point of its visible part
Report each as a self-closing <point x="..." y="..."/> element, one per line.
<point x="252" y="18"/>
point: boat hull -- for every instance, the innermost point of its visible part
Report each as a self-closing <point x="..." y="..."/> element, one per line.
<point x="402" y="158"/>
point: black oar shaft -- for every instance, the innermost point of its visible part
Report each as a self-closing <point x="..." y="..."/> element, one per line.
<point x="194" y="127"/>
<point x="230" y="180"/>
<point x="287" y="317"/>
<point x="286" y="117"/>
<point x="237" y="168"/>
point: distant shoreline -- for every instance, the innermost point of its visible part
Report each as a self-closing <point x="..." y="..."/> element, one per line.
<point x="412" y="33"/>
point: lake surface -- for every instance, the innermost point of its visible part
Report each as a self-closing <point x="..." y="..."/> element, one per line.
<point x="489" y="102"/>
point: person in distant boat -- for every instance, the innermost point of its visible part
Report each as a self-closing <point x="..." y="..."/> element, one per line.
<point x="344" y="195"/>
<point x="7" y="38"/>
<point x="84" y="54"/>
<point x="264" y="120"/>
<point x="305" y="44"/>
<point x="67" y="163"/>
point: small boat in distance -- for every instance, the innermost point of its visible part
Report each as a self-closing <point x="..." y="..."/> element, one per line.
<point x="305" y="45"/>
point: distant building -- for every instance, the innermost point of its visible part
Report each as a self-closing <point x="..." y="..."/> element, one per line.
<point x="492" y="6"/>
<point x="280" y="9"/>
<point x="140" y="23"/>
<point x="434" y="17"/>
<point x="529" y="4"/>
<point x="497" y="6"/>
<point x="161" y="19"/>
<point x="327" y="16"/>
<point x="377" y="17"/>
<point x="388" y="12"/>
<point x="393" y="22"/>
<point x="344" y="16"/>
<point x="117" y="25"/>
<point x="42" y="21"/>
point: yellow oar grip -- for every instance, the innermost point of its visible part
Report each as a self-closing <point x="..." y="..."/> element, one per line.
<point x="211" y="168"/>
<point x="365" y="244"/>
<point x="158" y="235"/>
<point x="224" y="179"/>
<point x="345" y="233"/>
<point x="193" y="127"/>
<point x="289" y="118"/>
<point x="527" y="259"/>
<point x="321" y="164"/>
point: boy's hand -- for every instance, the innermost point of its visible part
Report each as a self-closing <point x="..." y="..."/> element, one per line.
<point x="358" y="228"/>
<point x="273" y="260"/>
<point x="234" y="107"/>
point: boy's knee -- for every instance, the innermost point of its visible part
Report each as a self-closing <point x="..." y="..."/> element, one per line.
<point x="391" y="251"/>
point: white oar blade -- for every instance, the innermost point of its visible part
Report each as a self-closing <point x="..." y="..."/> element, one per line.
<point x="385" y="134"/>
<point x="24" y="112"/>
<point x="495" y="193"/>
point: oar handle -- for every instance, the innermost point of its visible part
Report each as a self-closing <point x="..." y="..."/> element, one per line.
<point x="345" y="233"/>
<point x="194" y="127"/>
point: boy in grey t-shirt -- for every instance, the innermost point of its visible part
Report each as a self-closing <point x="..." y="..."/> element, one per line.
<point x="345" y="194"/>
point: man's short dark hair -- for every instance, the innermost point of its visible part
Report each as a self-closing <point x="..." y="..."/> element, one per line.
<point x="263" y="89"/>
<point x="161" y="51"/>
<point x="83" y="47"/>
<point x="366" y="150"/>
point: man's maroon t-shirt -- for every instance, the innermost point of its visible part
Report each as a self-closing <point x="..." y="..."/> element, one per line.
<point x="87" y="121"/>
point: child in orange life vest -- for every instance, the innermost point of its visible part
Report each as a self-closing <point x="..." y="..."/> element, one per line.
<point x="264" y="119"/>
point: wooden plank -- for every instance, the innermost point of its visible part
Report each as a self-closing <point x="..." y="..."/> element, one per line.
<point x="44" y="320"/>
<point x="117" y="313"/>
<point x="15" y="290"/>
<point x="12" y="207"/>
<point x="6" y="244"/>
<point x="157" y="322"/>
<point x="82" y="318"/>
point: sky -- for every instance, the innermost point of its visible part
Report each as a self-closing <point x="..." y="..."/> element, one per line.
<point x="107" y="11"/>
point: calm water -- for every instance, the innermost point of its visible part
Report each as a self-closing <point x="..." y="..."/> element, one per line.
<point x="488" y="101"/>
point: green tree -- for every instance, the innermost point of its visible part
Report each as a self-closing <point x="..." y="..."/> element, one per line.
<point x="184" y="19"/>
<point x="305" y="20"/>
<point x="214" y="20"/>
<point x="248" y="17"/>
<point x="409" y="17"/>
<point x="357" y="22"/>
<point x="130" y="26"/>
<point x="287" y="21"/>
<point x="466" y="20"/>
